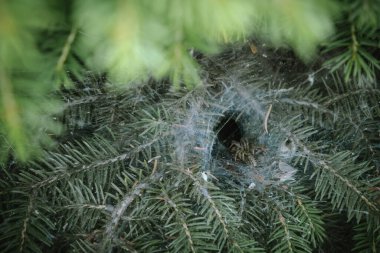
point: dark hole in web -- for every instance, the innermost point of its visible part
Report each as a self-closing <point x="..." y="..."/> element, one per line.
<point x="228" y="130"/>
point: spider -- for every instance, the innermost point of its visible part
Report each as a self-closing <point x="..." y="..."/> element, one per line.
<point x="243" y="151"/>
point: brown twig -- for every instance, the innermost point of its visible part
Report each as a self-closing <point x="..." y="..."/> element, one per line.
<point x="266" y="118"/>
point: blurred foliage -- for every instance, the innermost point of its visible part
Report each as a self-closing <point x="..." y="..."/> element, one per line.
<point x="355" y="48"/>
<point x="141" y="37"/>
<point x="24" y="78"/>
<point x="45" y="45"/>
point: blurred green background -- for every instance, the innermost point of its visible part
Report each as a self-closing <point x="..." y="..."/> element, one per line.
<point x="47" y="45"/>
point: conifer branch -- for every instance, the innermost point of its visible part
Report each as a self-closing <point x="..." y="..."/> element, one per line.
<point x="78" y="170"/>
<point x="318" y="107"/>
<point x="347" y="94"/>
<point x="203" y="191"/>
<point x="25" y="224"/>
<point x="350" y="184"/>
<point x="183" y="223"/>
<point x="123" y="205"/>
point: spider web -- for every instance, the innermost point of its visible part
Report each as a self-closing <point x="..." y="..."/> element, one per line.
<point x="230" y="108"/>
